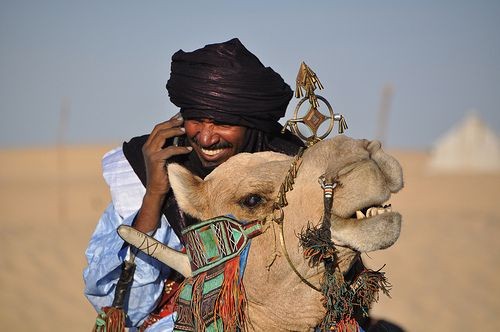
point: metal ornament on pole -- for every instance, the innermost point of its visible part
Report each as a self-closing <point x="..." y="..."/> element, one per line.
<point x="307" y="82"/>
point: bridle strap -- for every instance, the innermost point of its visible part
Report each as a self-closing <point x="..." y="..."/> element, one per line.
<point x="281" y="201"/>
<point x="285" y="252"/>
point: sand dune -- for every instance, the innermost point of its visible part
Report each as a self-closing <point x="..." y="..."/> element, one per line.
<point x="444" y="269"/>
<point x="46" y="221"/>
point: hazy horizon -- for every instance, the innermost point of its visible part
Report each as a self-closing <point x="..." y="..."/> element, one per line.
<point x="109" y="62"/>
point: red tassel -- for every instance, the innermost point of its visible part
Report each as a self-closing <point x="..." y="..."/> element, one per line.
<point x="346" y="324"/>
<point x="196" y="302"/>
<point x="231" y="303"/>
<point x="110" y="319"/>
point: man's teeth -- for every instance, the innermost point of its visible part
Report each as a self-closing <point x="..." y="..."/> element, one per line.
<point x="373" y="211"/>
<point x="211" y="152"/>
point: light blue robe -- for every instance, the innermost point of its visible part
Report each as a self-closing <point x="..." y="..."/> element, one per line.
<point x="106" y="251"/>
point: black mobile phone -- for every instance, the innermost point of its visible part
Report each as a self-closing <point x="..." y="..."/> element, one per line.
<point x="177" y="141"/>
<point x="180" y="141"/>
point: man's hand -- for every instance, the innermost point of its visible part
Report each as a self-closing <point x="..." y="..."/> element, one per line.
<point x="155" y="157"/>
<point x="157" y="184"/>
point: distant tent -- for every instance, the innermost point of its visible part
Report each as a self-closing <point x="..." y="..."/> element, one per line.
<point x="469" y="147"/>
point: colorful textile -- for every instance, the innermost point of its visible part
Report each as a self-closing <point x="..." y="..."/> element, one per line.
<point x="214" y="298"/>
<point x="215" y="241"/>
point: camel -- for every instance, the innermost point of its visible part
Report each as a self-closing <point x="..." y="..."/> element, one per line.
<point x="246" y="187"/>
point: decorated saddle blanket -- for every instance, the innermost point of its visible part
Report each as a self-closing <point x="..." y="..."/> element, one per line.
<point x="213" y="299"/>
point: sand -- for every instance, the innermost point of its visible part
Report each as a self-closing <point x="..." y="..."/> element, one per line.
<point x="47" y="217"/>
<point x="443" y="268"/>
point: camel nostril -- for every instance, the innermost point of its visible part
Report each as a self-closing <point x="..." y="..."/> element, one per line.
<point x="374" y="146"/>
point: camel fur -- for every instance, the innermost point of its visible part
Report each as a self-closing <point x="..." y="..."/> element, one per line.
<point x="277" y="299"/>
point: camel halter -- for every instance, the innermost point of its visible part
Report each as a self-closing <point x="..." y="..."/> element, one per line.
<point x="278" y="215"/>
<point x="307" y="82"/>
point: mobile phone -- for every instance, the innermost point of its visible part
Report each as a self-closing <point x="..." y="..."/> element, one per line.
<point x="179" y="140"/>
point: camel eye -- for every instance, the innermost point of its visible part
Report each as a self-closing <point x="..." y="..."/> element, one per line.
<point x="252" y="200"/>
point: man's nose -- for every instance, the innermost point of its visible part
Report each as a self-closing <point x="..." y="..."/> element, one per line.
<point x="207" y="134"/>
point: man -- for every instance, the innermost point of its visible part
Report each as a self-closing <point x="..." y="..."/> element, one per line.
<point x="229" y="103"/>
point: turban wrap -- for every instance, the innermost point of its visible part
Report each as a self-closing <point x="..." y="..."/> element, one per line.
<point x="229" y="84"/>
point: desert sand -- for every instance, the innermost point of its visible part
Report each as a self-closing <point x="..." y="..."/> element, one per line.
<point x="444" y="268"/>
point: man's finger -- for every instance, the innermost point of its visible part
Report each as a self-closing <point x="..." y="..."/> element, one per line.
<point x="175" y="121"/>
<point x="171" y="151"/>
<point x="158" y="141"/>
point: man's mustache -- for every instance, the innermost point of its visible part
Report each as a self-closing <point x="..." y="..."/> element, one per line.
<point x="219" y="145"/>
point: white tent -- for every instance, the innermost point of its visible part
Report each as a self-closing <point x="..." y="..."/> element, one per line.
<point x="469" y="147"/>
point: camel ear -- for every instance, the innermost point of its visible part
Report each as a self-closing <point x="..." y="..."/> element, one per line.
<point x="390" y="167"/>
<point x="188" y="190"/>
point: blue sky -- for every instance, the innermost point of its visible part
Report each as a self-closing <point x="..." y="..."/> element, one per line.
<point x="111" y="59"/>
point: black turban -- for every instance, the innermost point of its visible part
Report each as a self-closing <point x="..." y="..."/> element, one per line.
<point x="229" y="84"/>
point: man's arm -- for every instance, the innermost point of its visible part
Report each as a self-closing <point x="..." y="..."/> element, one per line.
<point x="106" y="250"/>
<point x="140" y="207"/>
<point x="155" y="159"/>
<point x="105" y="255"/>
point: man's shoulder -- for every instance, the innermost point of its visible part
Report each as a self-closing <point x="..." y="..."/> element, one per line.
<point x="113" y="156"/>
<point x="125" y="187"/>
<point x="114" y="162"/>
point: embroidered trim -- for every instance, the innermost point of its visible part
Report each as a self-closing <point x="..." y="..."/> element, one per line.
<point x="217" y="240"/>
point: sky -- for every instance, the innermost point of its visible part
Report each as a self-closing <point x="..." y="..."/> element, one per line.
<point x="106" y="62"/>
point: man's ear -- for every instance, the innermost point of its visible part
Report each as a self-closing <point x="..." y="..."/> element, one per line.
<point x="188" y="190"/>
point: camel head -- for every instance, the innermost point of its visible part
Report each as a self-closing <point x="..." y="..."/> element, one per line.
<point x="246" y="187"/>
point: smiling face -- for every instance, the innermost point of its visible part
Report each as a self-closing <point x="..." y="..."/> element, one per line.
<point x="213" y="142"/>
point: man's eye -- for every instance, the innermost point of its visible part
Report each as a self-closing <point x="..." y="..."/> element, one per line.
<point x="252" y="200"/>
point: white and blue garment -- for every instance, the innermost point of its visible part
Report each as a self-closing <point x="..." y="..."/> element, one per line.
<point x="106" y="250"/>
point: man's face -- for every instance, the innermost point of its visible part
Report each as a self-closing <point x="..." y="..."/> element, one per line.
<point x="213" y="142"/>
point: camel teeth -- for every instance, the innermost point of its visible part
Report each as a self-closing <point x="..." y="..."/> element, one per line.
<point x="359" y="215"/>
<point x="371" y="212"/>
